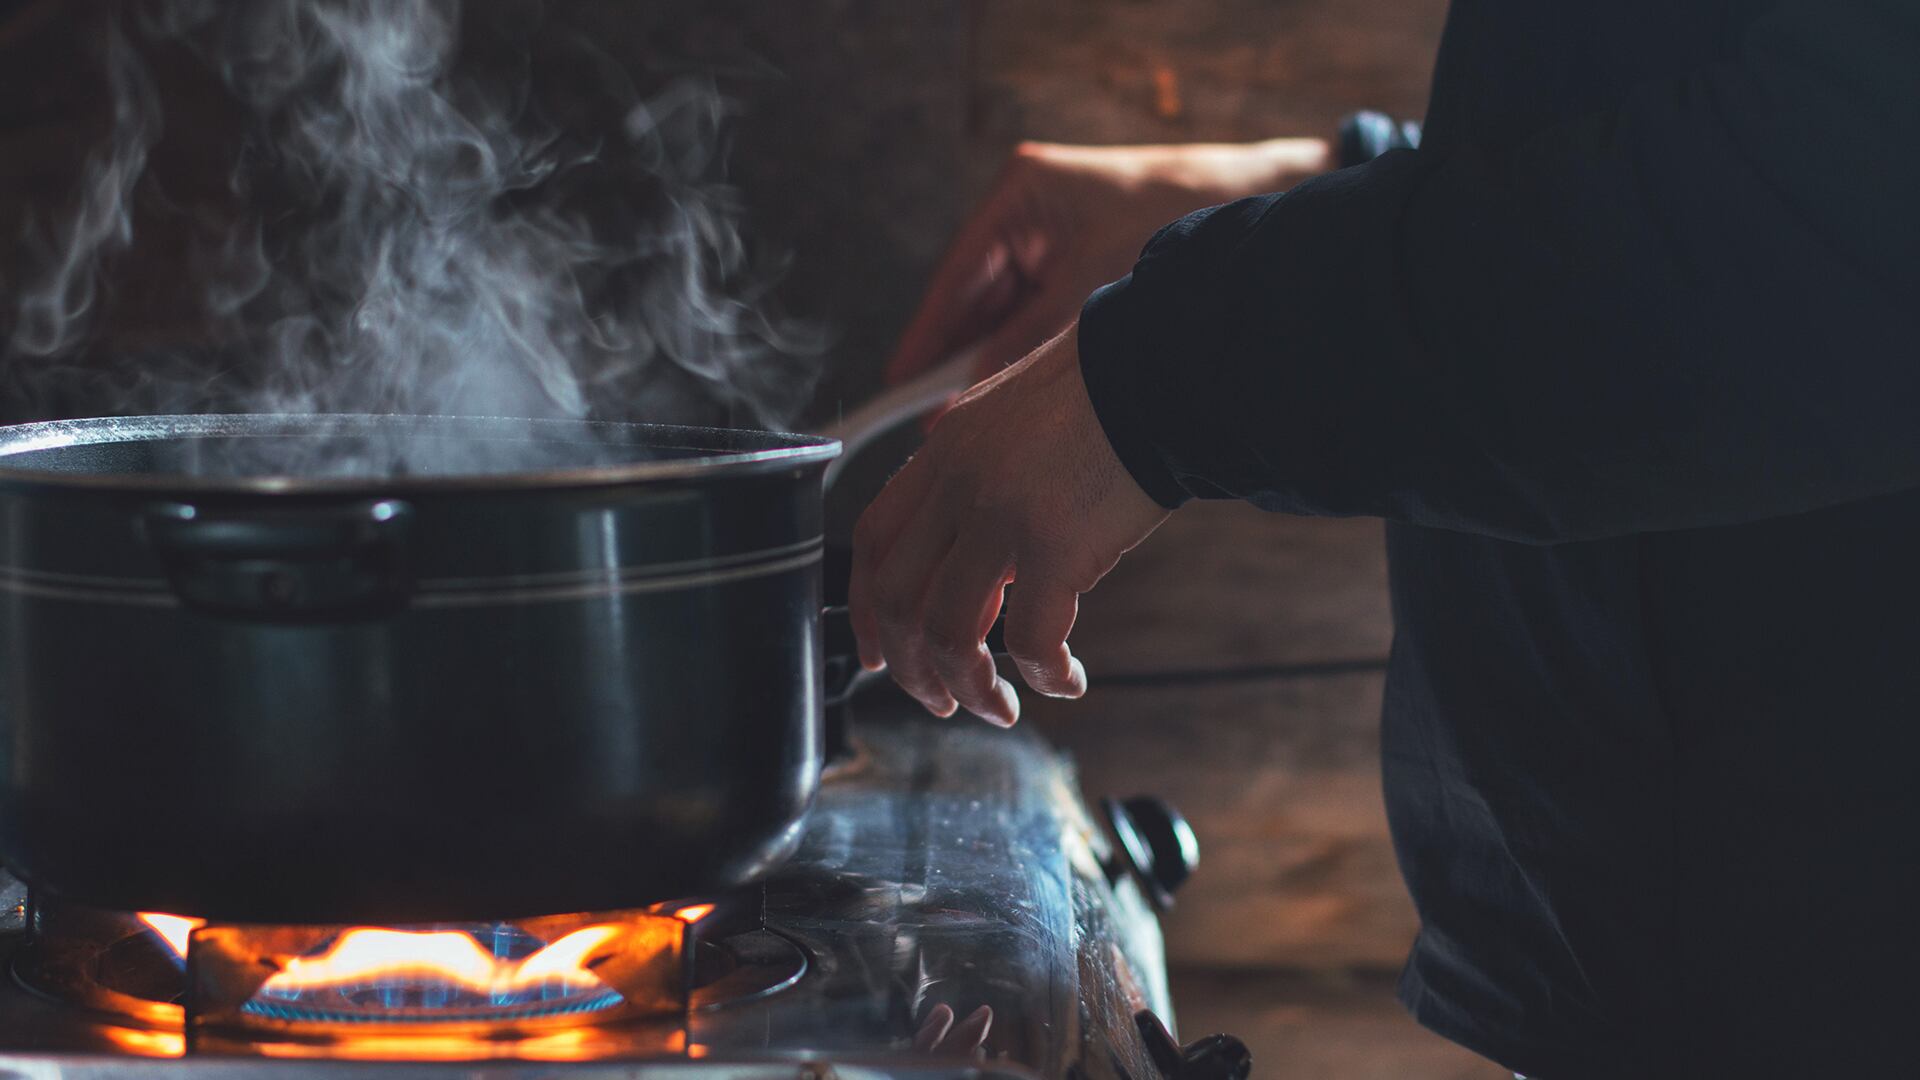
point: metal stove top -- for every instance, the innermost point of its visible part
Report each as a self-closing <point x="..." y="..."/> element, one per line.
<point x="946" y="864"/>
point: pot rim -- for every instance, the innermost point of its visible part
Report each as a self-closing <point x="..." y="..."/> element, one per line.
<point x="720" y="453"/>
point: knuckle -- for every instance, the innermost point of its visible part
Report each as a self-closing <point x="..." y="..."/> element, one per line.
<point x="1050" y="542"/>
<point x="918" y="688"/>
<point x="1060" y="569"/>
<point x="973" y="700"/>
<point x="928" y="701"/>
<point x="949" y="645"/>
<point x="909" y="673"/>
<point x="936" y="699"/>
<point x="971" y="686"/>
<point x="892" y="594"/>
<point x="985" y="509"/>
<point x="892" y="608"/>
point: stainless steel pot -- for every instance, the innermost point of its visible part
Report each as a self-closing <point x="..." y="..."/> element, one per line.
<point x="583" y="674"/>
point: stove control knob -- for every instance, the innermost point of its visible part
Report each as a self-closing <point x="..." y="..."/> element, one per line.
<point x="1215" y="1057"/>
<point x="1156" y="845"/>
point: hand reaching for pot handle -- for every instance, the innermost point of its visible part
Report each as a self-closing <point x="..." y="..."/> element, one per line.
<point x="1016" y="498"/>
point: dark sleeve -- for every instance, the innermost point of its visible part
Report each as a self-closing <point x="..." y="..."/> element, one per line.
<point x="1698" y="307"/>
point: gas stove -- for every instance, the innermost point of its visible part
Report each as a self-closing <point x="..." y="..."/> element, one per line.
<point x="954" y="908"/>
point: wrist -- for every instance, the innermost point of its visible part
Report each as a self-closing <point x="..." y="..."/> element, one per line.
<point x="1117" y="375"/>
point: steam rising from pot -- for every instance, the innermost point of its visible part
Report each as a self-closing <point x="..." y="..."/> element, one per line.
<point x="432" y="220"/>
<point x="52" y="311"/>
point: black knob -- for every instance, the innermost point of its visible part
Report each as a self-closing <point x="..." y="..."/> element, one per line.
<point x="1156" y="844"/>
<point x="1215" y="1057"/>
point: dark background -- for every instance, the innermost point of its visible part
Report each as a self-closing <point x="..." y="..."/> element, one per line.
<point x="867" y="126"/>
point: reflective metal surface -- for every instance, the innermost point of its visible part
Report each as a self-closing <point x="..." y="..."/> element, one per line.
<point x="118" y="452"/>
<point x="949" y="872"/>
<point x="417" y="699"/>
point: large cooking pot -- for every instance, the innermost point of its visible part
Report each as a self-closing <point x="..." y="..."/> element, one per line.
<point x="575" y="668"/>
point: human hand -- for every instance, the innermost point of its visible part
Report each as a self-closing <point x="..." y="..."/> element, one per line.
<point x="1016" y="486"/>
<point x="1063" y="220"/>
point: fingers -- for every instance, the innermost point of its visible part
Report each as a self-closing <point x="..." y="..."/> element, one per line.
<point x="896" y="507"/>
<point x="1041" y="609"/>
<point x="899" y="594"/>
<point x="978" y="520"/>
<point x="961" y="606"/>
<point x="932" y="598"/>
<point x="924" y="592"/>
<point x="866" y="629"/>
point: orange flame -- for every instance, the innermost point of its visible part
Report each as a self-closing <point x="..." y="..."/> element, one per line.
<point x="141" y="1043"/>
<point x="694" y="913"/>
<point x="446" y="956"/>
<point x="173" y="929"/>
<point x="368" y="954"/>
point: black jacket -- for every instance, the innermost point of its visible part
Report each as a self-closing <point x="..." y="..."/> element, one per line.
<point x="1626" y="356"/>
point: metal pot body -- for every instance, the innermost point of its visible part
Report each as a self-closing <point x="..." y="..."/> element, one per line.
<point x="476" y="696"/>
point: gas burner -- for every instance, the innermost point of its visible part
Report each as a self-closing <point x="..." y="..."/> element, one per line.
<point x="576" y="986"/>
<point x="954" y="910"/>
<point x="479" y="973"/>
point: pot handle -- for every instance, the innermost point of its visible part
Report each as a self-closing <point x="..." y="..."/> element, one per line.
<point x="329" y="563"/>
<point x="896" y="405"/>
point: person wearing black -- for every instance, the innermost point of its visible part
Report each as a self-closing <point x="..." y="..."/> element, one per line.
<point x="1625" y="354"/>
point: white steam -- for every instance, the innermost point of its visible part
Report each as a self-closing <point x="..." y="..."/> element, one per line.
<point x="416" y="237"/>
<point x="52" y="310"/>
